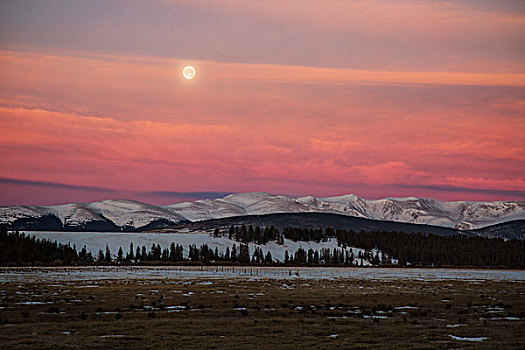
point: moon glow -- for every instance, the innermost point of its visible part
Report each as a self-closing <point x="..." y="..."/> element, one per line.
<point x="188" y="72"/>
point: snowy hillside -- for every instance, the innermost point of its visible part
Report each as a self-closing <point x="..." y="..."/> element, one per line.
<point x="237" y="205"/>
<point x="461" y="215"/>
<point x="119" y="213"/>
<point x="95" y="241"/>
<point x="128" y="215"/>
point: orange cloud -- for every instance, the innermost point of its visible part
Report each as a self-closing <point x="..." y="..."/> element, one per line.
<point x="480" y="182"/>
<point x="317" y="75"/>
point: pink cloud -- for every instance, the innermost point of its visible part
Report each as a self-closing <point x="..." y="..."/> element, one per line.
<point x="131" y="123"/>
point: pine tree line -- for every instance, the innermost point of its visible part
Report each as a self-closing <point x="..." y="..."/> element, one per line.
<point x="21" y="249"/>
<point x="255" y="235"/>
<point x="405" y="249"/>
<point x="434" y="250"/>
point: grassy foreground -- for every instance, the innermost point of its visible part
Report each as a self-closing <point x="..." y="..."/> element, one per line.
<point x="262" y="314"/>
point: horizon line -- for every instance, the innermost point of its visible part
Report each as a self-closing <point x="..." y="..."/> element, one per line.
<point x="120" y="194"/>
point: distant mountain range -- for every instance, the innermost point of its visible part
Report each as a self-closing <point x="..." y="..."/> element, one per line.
<point x="128" y="215"/>
<point x="507" y="230"/>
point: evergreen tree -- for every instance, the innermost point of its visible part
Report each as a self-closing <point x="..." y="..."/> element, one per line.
<point x="165" y="255"/>
<point x="268" y="259"/>
<point x="244" y="254"/>
<point x="316" y="258"/>
<point x="100" y="258"/>
<point x="130" y="254"/>
<point x="234" y="253"/>
<point x="300" y="257"/>
<point x="310" y="257"/>
<point x="107" y="257"/>
<point x="120" y="255"/>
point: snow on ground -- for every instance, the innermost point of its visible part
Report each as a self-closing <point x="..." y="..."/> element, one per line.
<point x="206" y="209"/>
<point x="75" y="214"/>
<point x="472" y="339"/>
<point x="100" y="273"/>
<point x="98" y="240"/>
<point x="121" y="212"/>
<point x="11" y="214"/>
<point x="131" y="213"/>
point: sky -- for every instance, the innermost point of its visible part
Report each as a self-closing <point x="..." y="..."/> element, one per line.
<point x="377" y="98"/>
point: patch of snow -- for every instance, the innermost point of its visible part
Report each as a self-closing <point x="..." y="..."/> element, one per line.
<point x="35" y="302"/>
<point x="508" y="318"/>
<point x="471" y="339"/>
<point x="175" y="307"/>
<point x="112" y="336"/>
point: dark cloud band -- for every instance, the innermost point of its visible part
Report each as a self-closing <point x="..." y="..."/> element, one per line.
<point x="166" y="194"/>
<point x="55" y="185"/>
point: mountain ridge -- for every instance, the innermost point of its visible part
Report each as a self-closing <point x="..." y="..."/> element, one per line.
<point x="124" y="214"/>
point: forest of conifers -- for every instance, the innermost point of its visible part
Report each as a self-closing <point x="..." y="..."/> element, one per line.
<point x="374" y="248"/>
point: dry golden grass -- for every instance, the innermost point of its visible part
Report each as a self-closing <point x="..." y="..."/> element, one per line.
<point x="263" y="314"/>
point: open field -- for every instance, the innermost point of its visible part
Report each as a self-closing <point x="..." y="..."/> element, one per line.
<point x="71" y="273"/>
<point x="262" y="313"/>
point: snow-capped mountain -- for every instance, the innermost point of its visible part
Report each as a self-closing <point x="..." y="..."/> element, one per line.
<point x="127" y="214"/>
<point x="257" y="203"/>
<point x="461" y="215"/>
<point x="108" y="214"/>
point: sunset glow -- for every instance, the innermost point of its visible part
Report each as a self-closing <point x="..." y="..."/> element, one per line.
<point x="426" y="100"/>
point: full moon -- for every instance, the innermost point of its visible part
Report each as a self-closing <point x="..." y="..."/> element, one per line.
<point x="188" y="72"/>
